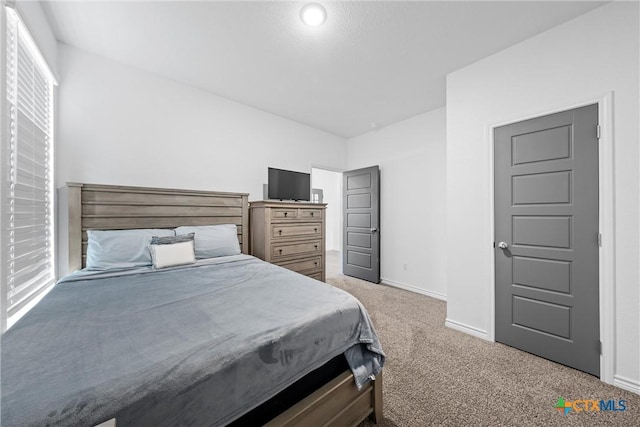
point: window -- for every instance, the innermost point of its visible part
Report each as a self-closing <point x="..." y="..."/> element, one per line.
<point x="27" y="173"/>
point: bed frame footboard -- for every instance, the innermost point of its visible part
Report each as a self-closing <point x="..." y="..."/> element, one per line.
<point x="338" y="403"/>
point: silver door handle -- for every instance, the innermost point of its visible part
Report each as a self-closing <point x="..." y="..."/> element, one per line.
<point x="373" y="229"/>
<point x="503" y="245"/>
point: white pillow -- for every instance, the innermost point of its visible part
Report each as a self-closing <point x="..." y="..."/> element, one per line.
<point x="172" y="251"/>
<point x="174" y="254"/>
<point x="213" y="240"/>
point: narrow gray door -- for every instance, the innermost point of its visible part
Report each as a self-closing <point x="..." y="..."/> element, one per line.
<point x="361" y="222"/>
<point x="546" y="225"/>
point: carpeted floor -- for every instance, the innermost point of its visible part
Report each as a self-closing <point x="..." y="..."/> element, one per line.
<point x="435" y="376"/>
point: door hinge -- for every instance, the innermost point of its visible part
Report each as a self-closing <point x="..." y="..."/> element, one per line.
<point x="494" y="245"/>
<point x="600" y="347"/>
<point x="598" y="131"/>
<point x="600" y="239"/>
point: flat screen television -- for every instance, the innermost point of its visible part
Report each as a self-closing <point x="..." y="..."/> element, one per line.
<point x="289" y="185"/>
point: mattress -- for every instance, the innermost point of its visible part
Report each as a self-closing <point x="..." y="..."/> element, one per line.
<point x="196" y="345"/>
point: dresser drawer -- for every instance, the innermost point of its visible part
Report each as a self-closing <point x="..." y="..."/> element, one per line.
<point x="295" y="230"/>
<point x="303" y="265"/>
<point x="284" y="213"/>
<point x="317" y="276"/>
<point x="310" y="214"/>
<point x="281" y="250"/>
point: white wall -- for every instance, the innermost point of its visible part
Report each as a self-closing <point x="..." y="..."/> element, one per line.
<point x="119" y="125"/>
<point x="585" y="58"/>
<point x="411" y="155"/>
<point x="331" y="184"/>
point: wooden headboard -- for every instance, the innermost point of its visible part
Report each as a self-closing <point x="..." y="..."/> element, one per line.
<point x="83" y="207"/>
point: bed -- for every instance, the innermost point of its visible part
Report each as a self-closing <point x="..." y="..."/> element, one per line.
<point x="224" y="340"/>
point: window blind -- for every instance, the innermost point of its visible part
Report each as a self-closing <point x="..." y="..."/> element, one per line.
<point x="28" y="204"/>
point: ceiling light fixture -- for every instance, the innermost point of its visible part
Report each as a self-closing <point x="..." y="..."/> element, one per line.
<point x="313" y="14"/>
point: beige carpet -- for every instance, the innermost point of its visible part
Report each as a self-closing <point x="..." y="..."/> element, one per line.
<point x="435" y="376"/>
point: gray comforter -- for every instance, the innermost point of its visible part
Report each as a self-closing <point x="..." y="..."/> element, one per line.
<point x="197" y="345"/>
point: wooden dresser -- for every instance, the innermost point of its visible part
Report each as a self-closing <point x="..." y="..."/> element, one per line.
<point x="289" y="234"/>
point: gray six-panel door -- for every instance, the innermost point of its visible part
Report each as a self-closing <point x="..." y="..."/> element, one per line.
<point x="361" y="219"/>
<point x="546" y="237"/>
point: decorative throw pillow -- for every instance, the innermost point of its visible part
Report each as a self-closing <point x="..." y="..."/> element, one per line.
<point x="171" y="251"/>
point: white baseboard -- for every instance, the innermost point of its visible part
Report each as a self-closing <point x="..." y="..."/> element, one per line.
<point x="626" y="384"/>
<point x="432" y="294"/>
<point x="466" y="329"/>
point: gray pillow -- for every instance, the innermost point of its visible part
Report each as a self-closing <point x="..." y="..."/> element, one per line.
<point x="118" y="249"/>
<point x="169" y="240"/>
<point x="213" y="240"/>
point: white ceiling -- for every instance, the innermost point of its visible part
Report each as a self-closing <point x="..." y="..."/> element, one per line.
<point x="371" y="62"/>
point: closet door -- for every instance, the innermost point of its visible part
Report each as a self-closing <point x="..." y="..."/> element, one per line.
<point x="546" y="213"/>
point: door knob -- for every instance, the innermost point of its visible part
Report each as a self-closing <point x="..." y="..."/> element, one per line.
<point x="503" y="245"/>
<point x="373" y="229"/>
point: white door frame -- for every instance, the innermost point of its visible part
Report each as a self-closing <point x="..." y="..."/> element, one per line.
<point x="606" y="225"/>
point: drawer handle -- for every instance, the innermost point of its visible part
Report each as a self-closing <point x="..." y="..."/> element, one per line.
<point x="315" y="246"/>
<point x="315" y="263"/>
<point x="280" y="232"/>
<point x="285" y="214"/>
<point x="315" y="230"/>
<point x="280" y="251"/>
<point x="311" y="213"/>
